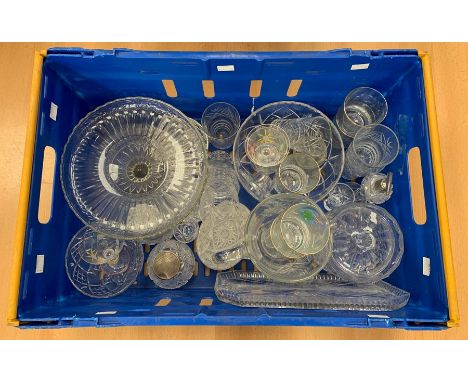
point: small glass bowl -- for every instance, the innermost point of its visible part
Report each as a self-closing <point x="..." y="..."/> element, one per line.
<point x="102" y="267"/>
<point x="170" y="264"/>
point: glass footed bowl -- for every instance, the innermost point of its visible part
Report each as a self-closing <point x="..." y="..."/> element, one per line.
<point x="309" y="131"/>
<point x="367" y="243"/>
<point x="133" y="168"/>
<point x="101" y="267"/>
<point x="262" y="251"/>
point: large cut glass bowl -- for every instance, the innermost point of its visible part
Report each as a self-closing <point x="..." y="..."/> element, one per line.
<point x="134" y="168"/>
<point x="309" y="131"/>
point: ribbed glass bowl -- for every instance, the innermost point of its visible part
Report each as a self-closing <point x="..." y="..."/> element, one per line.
<point x="367" y="243"/>
<point x="134" y="168"/>
<point x="309" y="131"/>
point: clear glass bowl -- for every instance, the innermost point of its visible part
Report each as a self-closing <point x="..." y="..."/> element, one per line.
<point x="308" y="130"/>
<point x="324" y="291"/>
<point x="263" y="253"/>
<point x="170" y="264"/>
<point x="367" y="243"/>
<point x="101" y="267"/>
<point x="133" y="168"/>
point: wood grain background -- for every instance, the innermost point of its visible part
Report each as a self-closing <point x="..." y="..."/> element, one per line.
<point x="450" y="73"/>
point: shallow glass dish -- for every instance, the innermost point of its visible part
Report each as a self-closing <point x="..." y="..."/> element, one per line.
<point x="100" y="266"/>
<point x="133" y="168"/>
<point x="324" y="291"/>
<point x="367" y="243"/>
<point x="308" y="131"/>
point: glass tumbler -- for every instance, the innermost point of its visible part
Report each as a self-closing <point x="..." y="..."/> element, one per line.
<point x="370" y="151"/>
<point x="221" y="121"/>
<point x="301" y="230"/>
<point x="362" y="107"/>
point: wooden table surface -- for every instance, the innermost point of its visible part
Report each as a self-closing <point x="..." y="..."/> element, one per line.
<point x="450" y="74"/>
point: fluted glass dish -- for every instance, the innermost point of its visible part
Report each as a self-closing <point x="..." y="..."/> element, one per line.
<point x="308" y="131"/>
<point x="367" y="243"/>
<point x="133" y="168"/>
<point x="100" y="266"/>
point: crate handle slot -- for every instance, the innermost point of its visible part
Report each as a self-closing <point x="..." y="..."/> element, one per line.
<point x="208" y="88"/>
<point x="206" y="301"/>
<point x="170" y="88"/>
<point x="294" y="87"/>
<point x="418" y="201"/>
<point x="163" y="302"/>
<point x="47" y="185"/>
<point x="255" y="88"/>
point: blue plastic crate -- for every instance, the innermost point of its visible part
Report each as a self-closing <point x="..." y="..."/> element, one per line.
<point x="78" y="80"/>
